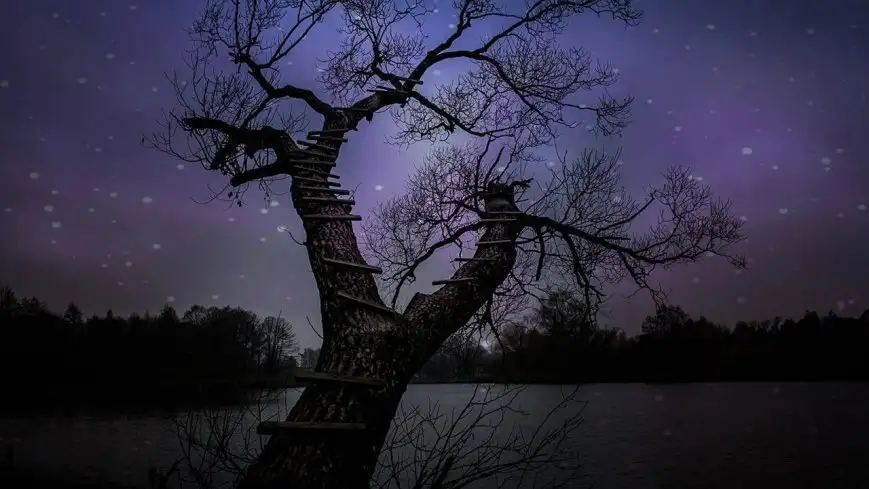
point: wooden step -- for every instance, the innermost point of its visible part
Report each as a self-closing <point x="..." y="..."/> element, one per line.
<point x="328" y="217"/>
<point x="359" y="266"/>
<point x="329" y="200"/>
<point x="336" y="191"/>
<point x="317" y="146"/>
<point x="453" y="281"/>
<point x="314" y="180"/>
<point x="367" y="303"/>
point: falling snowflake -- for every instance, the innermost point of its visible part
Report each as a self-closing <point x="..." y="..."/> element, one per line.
<point x="659" y="397"/>
<point x="746" y="151"/>
<point x="452" y="26"/>
<point x="839" y="151"/>
<point x="840" y="305"/>
<point x="436" y="72"/>
<point x="826" y="161"/>
<point x="752" y="34"/>
<point x="48" y="208"/>
<point x="378" y="187"/>
<point x="262" y="240"/>
<point x="147" y="200"/>
<point x="180" y="166"/>
<point x="133" y="7"/>
<point x="775" y="167"/>
<point x="649" y="101"/>
<point x="104" y="265"/>
<point x="114" y="195"/>
<point x="656" y="30"/>
<point x="288" y="298"/>
<point x="677" y="128"/>
<point x="7" y="209"/>
<point x="231" y="219"/>
<point x="282" y="229"/>
<point x="4" y="83"/>
<point x="263" y="211"/>
<point x="695" y="280"/>
<point x="109" y="56"/>
<point x="215" y="297"/>
<point x="156" y="246"/>
<point x="740" y="300"/>
<point x="34" y="175"/>
<point x="840" y="215"/>
<point x="274" y="203"/>
<point x="56" y="225"/>
<point x="170" y="298"/>
<point x="862" y="207"/>
<point x="120" y="284"/>
<point x="241" y="276"/>
<point x="81" y="80"/>
<point x="783" y="211"/>
<point x="710" y="27"/>
<point x="810" y="31"/>
<point x="128" y="264"/>
<point x="91" y="209"/>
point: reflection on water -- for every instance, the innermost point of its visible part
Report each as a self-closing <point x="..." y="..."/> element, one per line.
<point x="634" y="436"/>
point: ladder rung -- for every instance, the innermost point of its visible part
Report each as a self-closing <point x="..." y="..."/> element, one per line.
<point x="318" y="155"/>
<point x="350" y="264"/>
<point x="496" y="242"/>
<point x="314" y="171"/>
<point x="314" y="180"/>
<point x="336" y="191"/>
<point x="315" y="145"/>
<point x="474" y="259"/>
<point x="326" y="378"/>
<point x="275" y="427"/>
<point x="453" y="281"/>
<point x="367" y="303"/>
<point x="318" y="137"/>
<point x="329" y="217"/>
<point x="312" y="162"/>
<point x="331" y="131"/>
<point x="330" y="200"/>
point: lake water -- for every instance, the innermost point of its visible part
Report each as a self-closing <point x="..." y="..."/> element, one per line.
<point x="709" y="436"/>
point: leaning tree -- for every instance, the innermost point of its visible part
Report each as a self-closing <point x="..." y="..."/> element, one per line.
<point x="516" y="93"/>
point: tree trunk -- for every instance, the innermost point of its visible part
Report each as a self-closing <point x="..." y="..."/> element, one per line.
<point x="362" y="338"/>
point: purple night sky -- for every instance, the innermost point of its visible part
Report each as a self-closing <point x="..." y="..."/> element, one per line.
<point x="89" y="215"/>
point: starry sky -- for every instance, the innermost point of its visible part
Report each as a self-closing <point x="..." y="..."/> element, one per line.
<point x="765" y="100"/>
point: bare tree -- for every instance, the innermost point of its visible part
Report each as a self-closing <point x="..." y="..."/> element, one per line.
<point x="517" y="96"/>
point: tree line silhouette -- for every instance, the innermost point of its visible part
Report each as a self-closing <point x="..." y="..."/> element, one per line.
<point x="139" y="360"/>
<point x="173" y="359"/>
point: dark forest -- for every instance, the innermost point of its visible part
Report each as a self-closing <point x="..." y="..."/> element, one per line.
<point x="215" y="354"/>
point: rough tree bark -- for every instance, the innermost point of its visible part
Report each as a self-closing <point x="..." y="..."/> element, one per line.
<point x="365" y="339"/>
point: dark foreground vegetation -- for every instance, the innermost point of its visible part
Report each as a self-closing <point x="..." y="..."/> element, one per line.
<point x="214" y="354"/>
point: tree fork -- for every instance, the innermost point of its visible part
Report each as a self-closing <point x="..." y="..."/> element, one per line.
<point x="363" y="338"/>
